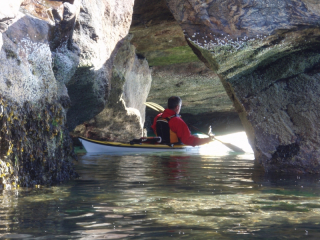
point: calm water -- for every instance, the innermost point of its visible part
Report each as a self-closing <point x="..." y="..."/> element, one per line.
<point x="166" y="196"/>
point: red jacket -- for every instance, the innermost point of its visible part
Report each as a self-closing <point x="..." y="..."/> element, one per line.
<point x="178" y="126"/>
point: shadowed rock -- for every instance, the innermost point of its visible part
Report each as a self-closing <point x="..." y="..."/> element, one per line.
<point x="99" y="30"/>
<point x="123" y="117"/>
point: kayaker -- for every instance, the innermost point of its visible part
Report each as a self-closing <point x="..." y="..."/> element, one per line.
<point x="172" y="129"/>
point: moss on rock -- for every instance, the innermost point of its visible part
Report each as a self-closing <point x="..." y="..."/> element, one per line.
<point x="181" y="54"/>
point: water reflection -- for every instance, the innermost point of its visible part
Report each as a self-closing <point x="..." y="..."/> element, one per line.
<point x="167" y="195"/>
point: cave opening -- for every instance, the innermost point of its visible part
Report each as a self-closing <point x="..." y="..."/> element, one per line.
<point x="177" y="71"/>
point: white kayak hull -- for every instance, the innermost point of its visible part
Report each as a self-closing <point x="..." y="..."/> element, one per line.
<point x="93" y="146"/>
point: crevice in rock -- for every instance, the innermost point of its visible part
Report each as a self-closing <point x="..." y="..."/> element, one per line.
<point x="285" y="152"/>
<point x="212" y="65"/>
<point x="140" y="56"/>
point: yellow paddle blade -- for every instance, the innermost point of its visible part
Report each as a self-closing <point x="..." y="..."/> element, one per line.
<point x="156" y="106"/>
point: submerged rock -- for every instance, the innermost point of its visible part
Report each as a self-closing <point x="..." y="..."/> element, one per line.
<point x="266" y="54"/>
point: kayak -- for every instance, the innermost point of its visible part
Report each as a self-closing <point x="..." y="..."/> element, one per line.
<point x="95" y="146"/>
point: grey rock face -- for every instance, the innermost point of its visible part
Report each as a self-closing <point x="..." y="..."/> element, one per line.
<point x="123" y="117"/>
<point x="267" y="56"/>
<point x="100" y="27"/>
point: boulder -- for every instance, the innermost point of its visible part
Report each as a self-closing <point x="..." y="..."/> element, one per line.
<point x="123" y="117"/>
<point x="99" y="31"/>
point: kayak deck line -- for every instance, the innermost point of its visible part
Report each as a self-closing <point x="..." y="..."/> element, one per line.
<point x="105" y="146"/>
<point x="142" y="145"/>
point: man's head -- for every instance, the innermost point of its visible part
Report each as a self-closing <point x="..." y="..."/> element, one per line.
<point x="174" y="103"/>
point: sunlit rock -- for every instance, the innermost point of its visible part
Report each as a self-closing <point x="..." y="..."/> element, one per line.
<point x="9" y="10"/>
<point x="267" y="56"/>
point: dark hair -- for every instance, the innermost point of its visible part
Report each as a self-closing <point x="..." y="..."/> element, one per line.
<point x="173" y="102"/>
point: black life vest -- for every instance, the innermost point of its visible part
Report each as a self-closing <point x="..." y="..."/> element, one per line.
<point x="163" y="130"/>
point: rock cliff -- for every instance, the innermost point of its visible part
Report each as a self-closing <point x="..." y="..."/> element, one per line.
<point x="199" y="87"/>
<point x="266" y="54"/>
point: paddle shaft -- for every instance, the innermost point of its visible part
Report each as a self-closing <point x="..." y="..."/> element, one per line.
<point x="204" y="133"/>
